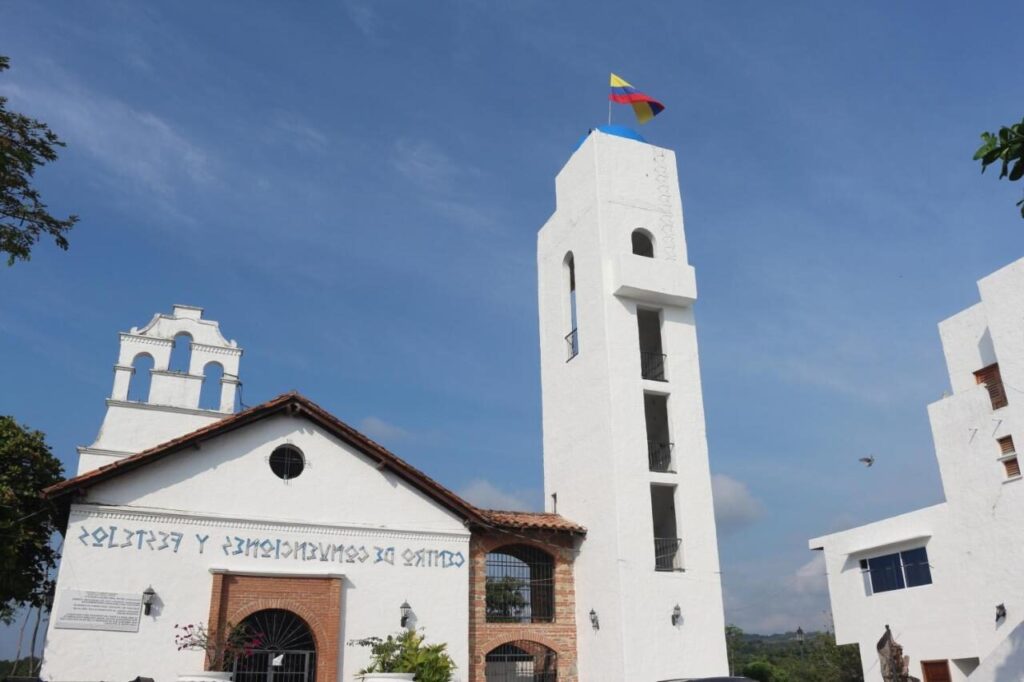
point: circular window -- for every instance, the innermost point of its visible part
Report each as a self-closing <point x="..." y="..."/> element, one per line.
<point x="287" y="462"/>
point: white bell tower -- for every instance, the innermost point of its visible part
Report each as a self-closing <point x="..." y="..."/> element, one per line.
<point x="625" y="451"/>
<point x="153" y="401"/>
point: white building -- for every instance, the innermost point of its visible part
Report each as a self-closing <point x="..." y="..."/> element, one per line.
<point x="625" y="451"/>
<point x="947" y="578"/>
<point x="286" y="518"/>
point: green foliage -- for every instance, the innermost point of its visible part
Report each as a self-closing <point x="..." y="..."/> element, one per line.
<point x="25" y="144"/>
<point x="1006" y="146"/>
<point x="407" y="653"/>
<point x="18" y="667"/>
<point x="783" y="658"/>
<point x="27" y="521"/>
<point x="763" y="671"/>
<point x="505" y="600"/>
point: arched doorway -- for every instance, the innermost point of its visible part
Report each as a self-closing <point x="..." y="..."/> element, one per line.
<point x="287" y="652"/>
<point x="521" y="661"/>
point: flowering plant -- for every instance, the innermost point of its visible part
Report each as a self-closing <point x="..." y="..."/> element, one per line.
<point x="222" y="648"/>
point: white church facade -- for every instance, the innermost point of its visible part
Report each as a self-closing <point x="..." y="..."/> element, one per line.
<point x="946" y="579"/>
<point x="283" y="516"/>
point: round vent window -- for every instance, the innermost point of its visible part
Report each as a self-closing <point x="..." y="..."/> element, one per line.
<point x="287" y="462"/>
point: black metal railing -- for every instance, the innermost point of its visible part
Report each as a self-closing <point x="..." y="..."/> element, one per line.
<point x="668" y="554"/>
<point x="659" y="456"/>
<point x="573" y="341"/>
<point x="652" y="365"/>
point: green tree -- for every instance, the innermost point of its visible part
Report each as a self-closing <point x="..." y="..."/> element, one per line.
<point x="27" y="521"/>
<point x="763" y="671"/>
<point x="1006" y="146"/>
<point x="505" y="599"/>
<point x="25" y="144"/>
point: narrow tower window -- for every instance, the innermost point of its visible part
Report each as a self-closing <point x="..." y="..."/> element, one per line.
<point x="181" y="353"/>
<point x="652" y="360"/>
<point x="572" y="339"/>
<point x="209" y="395"/>
<point x="993" y="381"/>
<point x="643" y="244"/>
<point x="138" y="385"/>
<point x="659" y="446"/>
<point x="667" y="554"/>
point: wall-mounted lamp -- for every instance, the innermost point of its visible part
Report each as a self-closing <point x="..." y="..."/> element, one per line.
<point x="148" y="595"/>
<point x="1000" y="612"/>
<point x="594" y="622"/>
<point x="406" y="613"/>
<point x="677" y="615"/>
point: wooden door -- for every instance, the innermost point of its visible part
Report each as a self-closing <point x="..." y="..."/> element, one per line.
<point x="936" y="671"/>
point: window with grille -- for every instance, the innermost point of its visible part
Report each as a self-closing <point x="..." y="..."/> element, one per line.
<point x="520" y="585"/>
<point x="994" y="383"/>
<point x="287" y="462"/>
<point x="521" y="661"/>
<point x="1012" y="467"/>
<point x="897" y="571"/>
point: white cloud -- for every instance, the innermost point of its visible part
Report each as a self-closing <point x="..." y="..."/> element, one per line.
<point x="735" y="506"/>
<point x="483" y="493"/>
<point x="363" y="16"/>
<point x="425" y="164"/>
<point x="381" y="430"/>
<point x="138" y="148"/>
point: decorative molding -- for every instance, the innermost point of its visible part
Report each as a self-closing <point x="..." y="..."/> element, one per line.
<point x="217" y="350"/>
<point x="146" y="340"/>
<point x="666" y="233"/>
<point x="180" y="375"/>
<point x="217" y="570"/>
<point x="81" y="511"/>
<point x="111" y="402"/>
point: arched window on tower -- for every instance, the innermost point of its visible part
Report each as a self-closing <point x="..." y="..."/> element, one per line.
<point x="572" y="339"/>
<point x="643" y="243"/>
<point x="138" y="385"/>
<point x="209" y="395"/>
<point x="181" y="353"/>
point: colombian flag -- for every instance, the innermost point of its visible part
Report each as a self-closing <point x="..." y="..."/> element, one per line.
<point x="644" y="106"/>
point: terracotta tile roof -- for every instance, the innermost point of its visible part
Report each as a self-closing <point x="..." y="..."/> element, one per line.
<point x="297" y="405"/>
<point x="518" y="520"/>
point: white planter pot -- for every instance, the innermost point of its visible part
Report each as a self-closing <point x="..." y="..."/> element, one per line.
<point x="208" y="676"/>
<point x="371" y="677"/>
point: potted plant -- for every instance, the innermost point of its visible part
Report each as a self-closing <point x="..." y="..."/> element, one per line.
<point x="222" y="648"/>
<point x="405" y="657"/>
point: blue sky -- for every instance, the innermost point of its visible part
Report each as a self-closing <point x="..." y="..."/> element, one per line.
<point x="353" y="189"/>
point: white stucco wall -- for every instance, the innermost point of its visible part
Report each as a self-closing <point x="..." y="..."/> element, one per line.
<point x="973" y="540"/>
<point x="595" y="441"/>
<point x="225" y="490"/>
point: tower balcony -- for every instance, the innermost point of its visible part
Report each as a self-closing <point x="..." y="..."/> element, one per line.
<point x="668" y="555"/>
<point x="652" y="365"/>
<point x="659" y="457"/>
<point x="652" y="280"/>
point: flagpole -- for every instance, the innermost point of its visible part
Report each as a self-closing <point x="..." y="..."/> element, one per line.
<point x="609" y="111"/>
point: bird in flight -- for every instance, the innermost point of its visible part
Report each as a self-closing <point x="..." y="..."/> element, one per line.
<point x="867" y="461"/>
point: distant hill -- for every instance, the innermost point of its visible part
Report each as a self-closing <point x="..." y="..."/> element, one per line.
<point x="786" y="657"/>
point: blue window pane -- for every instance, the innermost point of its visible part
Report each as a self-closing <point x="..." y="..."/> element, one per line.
<point x="886" y="573"/>
<point x="915" y="567"/>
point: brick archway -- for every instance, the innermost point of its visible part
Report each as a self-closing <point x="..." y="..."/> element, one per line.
<point x="315" y="599"/>
<point x="558" y="635"/>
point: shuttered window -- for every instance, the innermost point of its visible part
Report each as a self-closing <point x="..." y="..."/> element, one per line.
<point x="994" y="383"/>
<point x="1012" y="467"/>
<point x="1006" y="445"/>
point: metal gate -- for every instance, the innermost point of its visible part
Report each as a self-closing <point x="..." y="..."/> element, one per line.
<point x="287" y="652"/>
<point x="521" y="662"/>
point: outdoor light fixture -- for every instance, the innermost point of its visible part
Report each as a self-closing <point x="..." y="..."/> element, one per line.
<point x="147" y="599"/>
<point x="1000" y="612"/>
<point x="594" y="621"/>
<point x="677" y="615"/>
<point x="406" y="612"/>
<point x="799" y="634"/>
